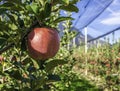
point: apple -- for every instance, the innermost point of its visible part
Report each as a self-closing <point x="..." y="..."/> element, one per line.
<point x="1" y="58"/>
<point x="43" y="43"/>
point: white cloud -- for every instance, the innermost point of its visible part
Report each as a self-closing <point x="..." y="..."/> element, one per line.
<point x="111" y="21"/>
<point x="114" y="19"/>
<point x="116" y="2"/>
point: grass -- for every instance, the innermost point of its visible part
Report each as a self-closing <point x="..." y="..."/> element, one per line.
<point x="103" y="66"/>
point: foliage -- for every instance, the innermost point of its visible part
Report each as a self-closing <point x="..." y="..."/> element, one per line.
<point x="103" y="64"/>
<point x="18" y="71"/>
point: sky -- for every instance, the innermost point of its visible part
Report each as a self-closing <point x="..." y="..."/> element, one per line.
<point x="107" y="20"/>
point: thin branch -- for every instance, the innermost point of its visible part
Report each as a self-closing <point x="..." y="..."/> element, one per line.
<point x="6" y="48"/>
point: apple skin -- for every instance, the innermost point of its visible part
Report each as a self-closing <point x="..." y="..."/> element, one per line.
<point x="43" y="43"/>
<point x="1" y="58"/>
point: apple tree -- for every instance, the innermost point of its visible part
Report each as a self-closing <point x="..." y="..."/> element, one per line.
<point x="28" y="29"/>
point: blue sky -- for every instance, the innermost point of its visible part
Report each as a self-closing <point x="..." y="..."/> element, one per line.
<point x="108" y="20"/>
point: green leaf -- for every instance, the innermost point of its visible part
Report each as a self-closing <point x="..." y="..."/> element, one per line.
<point x="47" y="10"/>
<point x="15" y="74"/>
<point x="60" y="19"/>
<point x="73" y="1"/>
<point x="66" y="1"/>
<point x="2" y="85"/>
<point x="14" y="1"/>
<point x="28" y="7"/>
<point x="4" y="26"/>
<point x="34" y="8"/>
<point x="54" y="2"/>
<point x="26" y="89"/>
<point x="54" y="63"/>
<point x="42" y="2"/>
<point x="7" y="4"/>
<point x="70" y="8"/>
<point x="26" y="61"/>
<point x="16" y="8"/>
<point x="3" y="10"/>
<point x="53" y="77"/>
<point x="35" y="63"/>
<point x="21" y="22"/>
<point x="2" y="40"/>
<point x="11" y="6"/>
<point x="12" y="18"/>
<point x="41" y="15"/>
<point x="23" y="44"/>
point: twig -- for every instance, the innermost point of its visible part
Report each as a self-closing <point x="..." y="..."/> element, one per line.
<point x="8" y="68"/>
<point x="6" y="48"/>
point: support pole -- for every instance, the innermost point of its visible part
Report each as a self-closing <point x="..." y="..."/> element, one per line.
<point x="74" y="42"/>
<point x="113" y="40"/>
<point x="86" y="48"/>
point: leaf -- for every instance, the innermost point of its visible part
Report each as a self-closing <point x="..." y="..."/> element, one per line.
<point x="14" y="1"/>
<point x="2" y="40"/>
<point x="42" y="2"/>
<point x="23" y="44"/>
<point x="41" y="15"/>
<point x="70" y="7"/>
<point x="73" y="1"/>
<point x="34" y="8"/>
<point x="11" y="6"/>
<point x="5" y="27"/>
<point x="66" y="1"/>
<point x="54" y="2"/>
<point x="7" y="4"/>
<point x="26" y="89"/>
<point x="2" y="11"/>
<point x="39" y="82"/>
<point x="12" y="18"/>
<point x="21" y="22"/>
<point x="2" y="85"/>
<point x="28" y="7"/>
<point x="52" y="64"/>
<point x="53" y="77"/>
<point x="47" y="10"/>
<point x="35" y="63"/>
<point x="15" y="74"/>
<point x="26" y="61"/>
<point x="16" y="8"/>
<point x="60" y="19"/>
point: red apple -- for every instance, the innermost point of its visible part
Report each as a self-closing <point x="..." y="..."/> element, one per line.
<point x="1" y="58"/>
<point x="43" y="43"/>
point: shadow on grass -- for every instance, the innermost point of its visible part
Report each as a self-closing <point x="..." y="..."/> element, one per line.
<point x="82" y="85"/>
